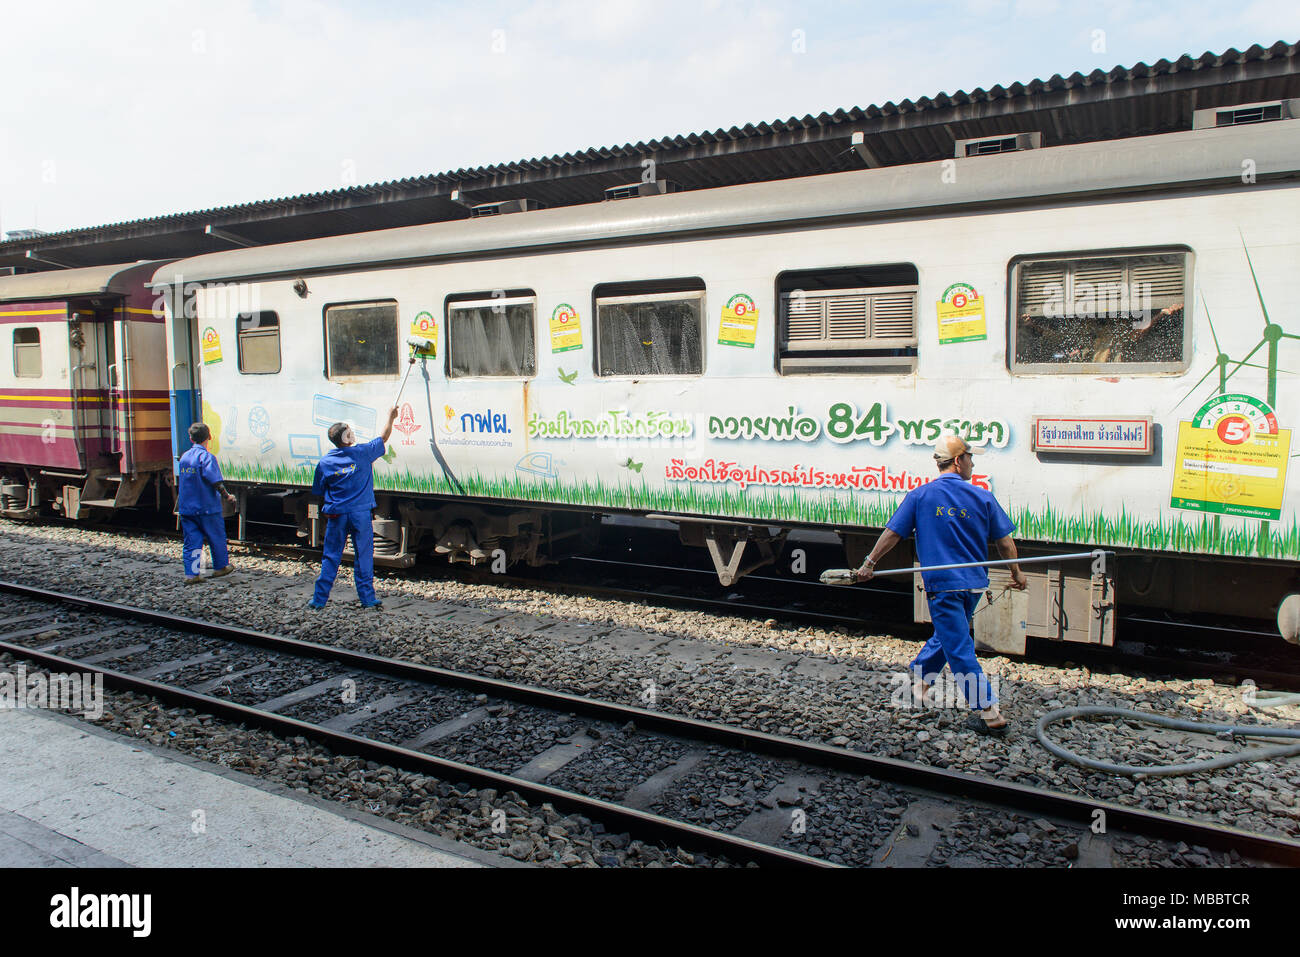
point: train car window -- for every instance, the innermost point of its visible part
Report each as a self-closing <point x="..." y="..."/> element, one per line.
<point x="1101" y="313"/>
<point x="259" y="342"/>
<point x="27" y="353"/>
<point x="854" y="320"/>
<point x="362" y="340"/>
<point x="491" y="337"/>
<point x="649" y="334"/>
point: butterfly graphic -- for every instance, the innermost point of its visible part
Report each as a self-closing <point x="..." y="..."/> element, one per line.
<point x="632" y="466"/>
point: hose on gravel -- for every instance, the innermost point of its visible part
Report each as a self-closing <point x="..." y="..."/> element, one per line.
<point x="1262" y="699"/>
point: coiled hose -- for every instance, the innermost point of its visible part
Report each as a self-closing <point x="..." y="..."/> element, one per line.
<point x="1263" y="699"/>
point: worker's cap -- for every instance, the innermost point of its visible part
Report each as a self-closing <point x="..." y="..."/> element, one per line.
<point x="950" y="446"/>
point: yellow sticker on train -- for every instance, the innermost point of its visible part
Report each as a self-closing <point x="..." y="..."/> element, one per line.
<point x="211" y="346"/>
<point x="739" y="325"/>
<point x="425" y="326"/>
<point x="961" y="315"/>
<point x="1230" y="470"/>
<point x="566" y="328"/>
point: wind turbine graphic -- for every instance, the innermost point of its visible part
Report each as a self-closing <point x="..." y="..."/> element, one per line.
<point x="1273" y="334"/>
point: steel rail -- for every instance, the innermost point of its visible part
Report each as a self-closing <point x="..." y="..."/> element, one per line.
<point x="641" y="823"/>
<point x="291" y="551"/>
<point x="901" y="629"/>
<point x="1010" y="795"/>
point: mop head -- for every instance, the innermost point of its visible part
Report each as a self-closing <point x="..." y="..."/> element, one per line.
<point x="422" y="348"/>
<point x="839" y="576"/>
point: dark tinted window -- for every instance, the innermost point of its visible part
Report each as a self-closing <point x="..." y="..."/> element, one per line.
<point x="1098" y="311"/>
<point x="363" y="339"/>
<point x="650" y="334"/>
<point x="491" y="338"/>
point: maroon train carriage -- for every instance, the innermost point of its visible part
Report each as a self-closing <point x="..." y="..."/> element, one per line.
<point x="84" y="415"/>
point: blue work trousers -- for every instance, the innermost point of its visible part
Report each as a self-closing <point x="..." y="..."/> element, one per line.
<point x="951" y="612"/>
<point x="337" y="529"/>
<point x="197" y="529"/>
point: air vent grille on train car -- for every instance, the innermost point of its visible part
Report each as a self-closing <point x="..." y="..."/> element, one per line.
<point x="849" y="319"/>
<point x="1101" y="285"/>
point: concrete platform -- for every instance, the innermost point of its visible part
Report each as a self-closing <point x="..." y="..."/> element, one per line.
<point x="72" y="795"/>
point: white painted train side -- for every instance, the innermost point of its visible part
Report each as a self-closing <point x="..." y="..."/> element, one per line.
<point x="784" y="355"/>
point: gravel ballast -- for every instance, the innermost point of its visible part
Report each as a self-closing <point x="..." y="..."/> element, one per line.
<point x="820" y="685"/>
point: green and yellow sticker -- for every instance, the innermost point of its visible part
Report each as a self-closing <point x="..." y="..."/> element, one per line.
<point x="961" y="315"/>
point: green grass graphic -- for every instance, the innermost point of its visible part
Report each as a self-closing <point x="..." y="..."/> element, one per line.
<point x="1199" y="534"/>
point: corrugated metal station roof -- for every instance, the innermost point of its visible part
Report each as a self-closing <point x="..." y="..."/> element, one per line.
<point x="1195" y="158"/>
<point x="1123" y="102"/>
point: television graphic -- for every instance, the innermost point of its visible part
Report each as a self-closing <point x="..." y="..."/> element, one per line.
<point x="326" y="410"/>
<point x="304" y="449"/>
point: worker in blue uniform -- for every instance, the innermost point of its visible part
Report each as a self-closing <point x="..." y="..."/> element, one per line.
<point x="344" y="476"/>
<point x="200" y="489"/>
<point x="953" y="522"/>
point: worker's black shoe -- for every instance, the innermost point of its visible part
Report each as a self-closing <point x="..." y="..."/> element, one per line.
<point x="980" y="726"/>
<point x="372" y="604"/>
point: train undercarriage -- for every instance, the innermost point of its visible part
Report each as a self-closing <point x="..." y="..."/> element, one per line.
<point x="1074" y="602"/>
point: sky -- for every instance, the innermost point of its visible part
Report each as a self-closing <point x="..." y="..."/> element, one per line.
<point x="125" y="110"/>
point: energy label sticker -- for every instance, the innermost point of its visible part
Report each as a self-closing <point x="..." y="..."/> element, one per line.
<point x="961" y="315"/>
<point x="739" y="325"/>
<point x="1231" y="459"/>
<point x="211" y="346"/>
<point x="566" y="330"/>
<point x="425" y="326"/>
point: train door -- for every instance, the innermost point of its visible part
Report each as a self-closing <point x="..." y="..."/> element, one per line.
<point x="110" y="387"/>
<point x="91" y="375"/>
<point x="183" y="354"/>
<point x="83" y="382"/>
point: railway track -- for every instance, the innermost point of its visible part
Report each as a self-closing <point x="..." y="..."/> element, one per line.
<point x="1152" y="646"/>
<point x="443" y="723"/>
<point x="1228" y="653"/>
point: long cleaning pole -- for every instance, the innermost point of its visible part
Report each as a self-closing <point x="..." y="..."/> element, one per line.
<point x="1074" y="556"/>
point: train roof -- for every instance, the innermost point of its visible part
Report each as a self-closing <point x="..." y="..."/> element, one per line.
<point x="1139" y="100"/>
<point x="1199" y="158"/>
<point x="118" y="280"/>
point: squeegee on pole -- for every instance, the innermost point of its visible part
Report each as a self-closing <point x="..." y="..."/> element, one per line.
<point x="418" y="348"/>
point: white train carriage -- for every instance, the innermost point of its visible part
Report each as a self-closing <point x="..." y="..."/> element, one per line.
<point x="83" y="391"/>
<point x="1110" y="322"/>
